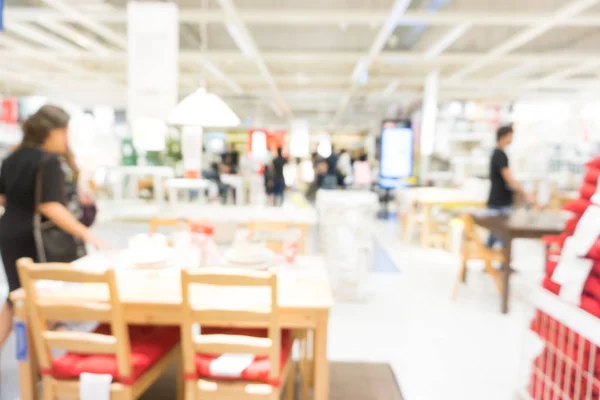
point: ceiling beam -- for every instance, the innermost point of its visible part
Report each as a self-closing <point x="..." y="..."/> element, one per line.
<point x="304" y="59"/>
<point x="551" y="80"/>
<point x="243" y="38"/>
<point x="76" y="36"/>
<point x="446" y="41"/>
<point x="88" y="22"/>
<point x="539" y="28"/>
<point x="35" y="57"/>
<point x="34" y="34"/>
<point x="514" y="72"/>
<point x="320" y="17"/>
<point x="364" y="64"/>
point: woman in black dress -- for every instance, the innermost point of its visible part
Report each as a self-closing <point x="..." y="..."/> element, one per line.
<point x="44" y="138"/>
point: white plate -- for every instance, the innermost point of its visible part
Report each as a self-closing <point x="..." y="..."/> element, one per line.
<point x="260" y="260"/>
<point x="148" y="258"/>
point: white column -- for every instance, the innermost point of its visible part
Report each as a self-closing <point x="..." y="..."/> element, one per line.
<point x="299" y="139"/>
<point x="191" y="149"/>
<point x="429" y="120"/>
<point x="153" y="59"/>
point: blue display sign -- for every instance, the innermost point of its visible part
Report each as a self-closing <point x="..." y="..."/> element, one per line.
<point x="1" y="15"/>
<point x="21" y="335"/>
<point x="396" y="153"/>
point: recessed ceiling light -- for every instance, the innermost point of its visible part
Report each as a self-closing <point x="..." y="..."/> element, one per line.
<point x="393" y="41"/>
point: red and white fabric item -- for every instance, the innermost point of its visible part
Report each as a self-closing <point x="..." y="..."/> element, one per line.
<point x="246" y="367"/>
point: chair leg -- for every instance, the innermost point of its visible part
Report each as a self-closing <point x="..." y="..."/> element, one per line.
<point x="48" y="388"/>
<point x="179" y="380"/>
<point x="290" y="390"/>
<point x="191" y="390"/>
<point x="305" y="371"/>
<point x="126" y="393"/>
<point x="462" y="276"/>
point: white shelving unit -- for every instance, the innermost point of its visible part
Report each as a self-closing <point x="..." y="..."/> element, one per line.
<point x="464" y="143"/>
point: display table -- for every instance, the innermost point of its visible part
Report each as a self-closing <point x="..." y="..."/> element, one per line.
<point x="154" y="297"/>
<point x="138" y="211"/>
<point x="158" y="175"/>
<point x="421" y="201"/>
<point x="532" y="225"/>
<point x="174" y="186"/>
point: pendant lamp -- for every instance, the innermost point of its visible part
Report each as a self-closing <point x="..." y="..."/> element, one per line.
<point x="203" y="109"/>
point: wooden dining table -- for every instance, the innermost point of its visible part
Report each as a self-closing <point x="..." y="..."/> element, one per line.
<point x="425" y="199"/>
<point x="154" y="298"/>
<point x="518" y="225"/>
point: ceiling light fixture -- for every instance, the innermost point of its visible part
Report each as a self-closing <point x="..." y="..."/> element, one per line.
<point x="204" y="109"/>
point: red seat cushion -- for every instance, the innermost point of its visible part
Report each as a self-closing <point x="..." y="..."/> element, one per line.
<point x="587" y="191"/>
<point x="591" y="175"/>
<point x="259" y="368"/>
<point x="578" y="206"/>
<point x="148" y="346"/>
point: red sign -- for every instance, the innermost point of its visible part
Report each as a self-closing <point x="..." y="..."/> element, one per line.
<point x="9" y="114"/>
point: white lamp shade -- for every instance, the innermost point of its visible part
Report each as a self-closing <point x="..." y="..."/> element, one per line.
<point x="203" y="109"/>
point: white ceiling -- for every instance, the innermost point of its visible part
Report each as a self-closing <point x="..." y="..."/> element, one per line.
<point x="305" y="53"/>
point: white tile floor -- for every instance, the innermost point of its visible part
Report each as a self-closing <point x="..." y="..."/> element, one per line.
<point x="463" y="350"/>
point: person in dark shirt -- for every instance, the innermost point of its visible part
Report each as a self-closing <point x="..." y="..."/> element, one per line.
<point x="332" y="162"/>
<point x="278" y="179"/>
<point x="503" y="184"/>
<point x="44" y="141"/>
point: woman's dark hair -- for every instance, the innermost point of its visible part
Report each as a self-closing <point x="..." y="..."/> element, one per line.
<point x="37" y="127"/>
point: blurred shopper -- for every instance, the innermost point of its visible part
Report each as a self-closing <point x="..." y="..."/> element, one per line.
<point x="363" y="175"/>
<point x="214" y="175"/>
<point x="32" y="175"/>
<point x="332" y="162"/>
<point x="321" y="171"/>
<point x="278" y="177"/>
<point x="332" y="178"/>
<point x="80" y="199"/>
<point x="503" y="183"/>
<point x="344" y="166"/>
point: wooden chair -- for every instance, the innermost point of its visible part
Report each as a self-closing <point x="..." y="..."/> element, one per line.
<point x="474" y="249"/>
<point x="257" y="379"/>
<point x="112" y="348"/>
<point x="274" y="228"/>
<point x="156" y="223"/>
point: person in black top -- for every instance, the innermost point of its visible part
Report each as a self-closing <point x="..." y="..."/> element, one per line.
<point x="278" y="179"/>
<point x="503" y="184"/>
<point x="44" y="140"/>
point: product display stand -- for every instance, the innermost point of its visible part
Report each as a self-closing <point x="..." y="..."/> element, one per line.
<point x="346" y="235"/>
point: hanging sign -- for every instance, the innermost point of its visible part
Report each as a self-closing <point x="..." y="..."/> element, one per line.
<point x="153" y="59"/>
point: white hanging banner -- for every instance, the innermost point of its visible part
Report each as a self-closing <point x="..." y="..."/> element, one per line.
<point x="153" y="59"/>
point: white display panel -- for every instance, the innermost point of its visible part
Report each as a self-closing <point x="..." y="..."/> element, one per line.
<point x="396" y="153"/>
<point x="153" y="59"/>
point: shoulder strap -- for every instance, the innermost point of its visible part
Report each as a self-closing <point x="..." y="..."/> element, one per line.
<point x="37" y="217"/>
<point x="39" y="183"/>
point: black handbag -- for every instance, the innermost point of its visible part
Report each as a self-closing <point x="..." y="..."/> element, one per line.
<point x="53" y="244"/>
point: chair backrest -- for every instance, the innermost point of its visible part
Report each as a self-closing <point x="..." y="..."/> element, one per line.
<point x="236" y="314"/>
<point x="278" y="234"/>
<point x="470" y="232"/>
<point x="43" y="309"/>
<point x="156" y="223"/>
